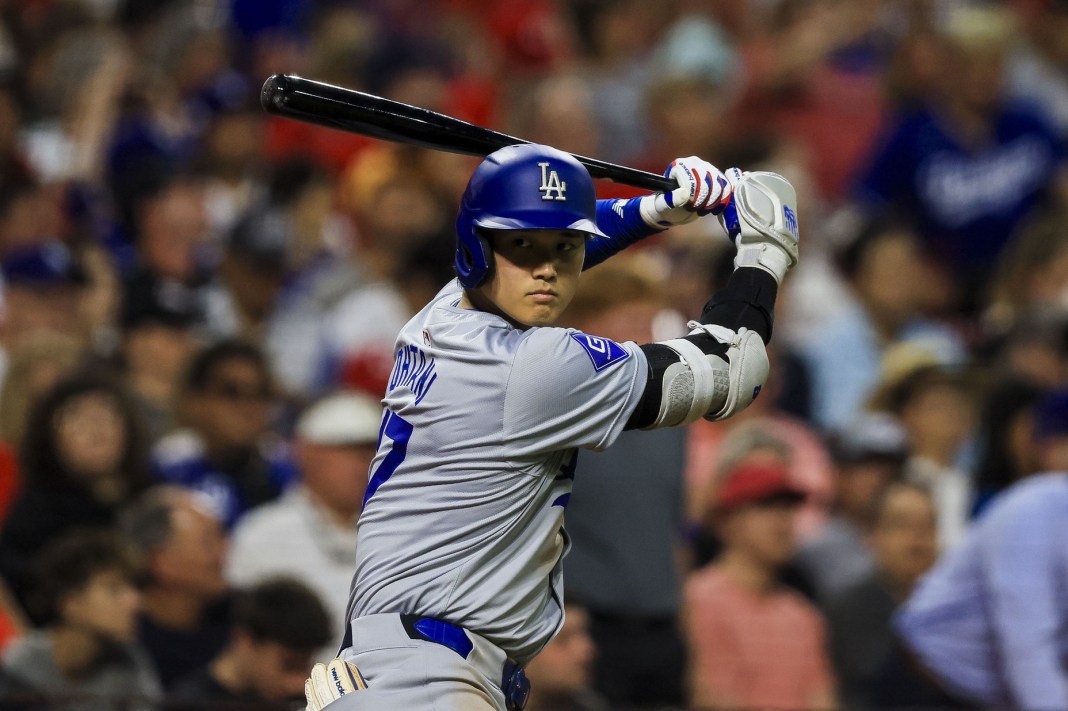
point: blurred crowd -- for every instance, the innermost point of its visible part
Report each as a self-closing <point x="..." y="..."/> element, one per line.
<point x="198" y="303"/>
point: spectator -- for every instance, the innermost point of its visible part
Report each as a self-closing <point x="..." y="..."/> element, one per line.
<point x="1051" y="431"/>
<point x="165" y="214"/>
<point x="310" y="532"/>
<point x="903" y="535"/>
<point x="79" y="99"/>
<point x="885" y="273"/>
<point x="560" y="675"/>
<point x="82" y="458"/>
<point x="1035" y="348"/>
<point x="813" y="74"/>
<point x="989" y="621"/>
<point x="626" y="516"/>
<point x="43" y="284"/>
<point x="616" y="37"/>
<point x="1006" y="432"/>
<point x="934" y="163"/>
<point x="1032" y="276"/>
<point x="776" y="654"/>
<point x="226" y="450"/>
<point x="277" y="626"/>
<point x="869" y="456"/>
<point x="1038" y="66"/>
<point x="938" y="407"/>
<point x="401" y="219"/>
<point x="690" y="90"/>
<point x="185" y="620"/>
<point x="157" y="341"/>
<point x="252" y="273"/>
<point x="33" y="369"/>
<point x="318" y="271"/>
<point x="714" y="447"/>
<point x="87" y="652"/>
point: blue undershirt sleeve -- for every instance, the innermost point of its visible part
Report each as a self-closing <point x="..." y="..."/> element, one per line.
<point x="621" y="221"/>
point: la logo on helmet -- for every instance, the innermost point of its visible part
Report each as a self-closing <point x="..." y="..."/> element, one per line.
<point x="551" y="183"/>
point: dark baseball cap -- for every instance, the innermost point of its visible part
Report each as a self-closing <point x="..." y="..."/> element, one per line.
<point x="752" y="482"/>
<point x="45" y="264"/>
<point x="148" y="300"/>
<point x="262" y="238"/>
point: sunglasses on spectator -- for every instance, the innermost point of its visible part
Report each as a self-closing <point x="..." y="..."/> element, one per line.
<point x="230" y="390"/>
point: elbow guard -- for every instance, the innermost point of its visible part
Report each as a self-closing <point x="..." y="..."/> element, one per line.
<point x="715" y="373"/>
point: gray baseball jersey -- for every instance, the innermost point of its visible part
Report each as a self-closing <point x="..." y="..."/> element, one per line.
<point x="463" y="518"/>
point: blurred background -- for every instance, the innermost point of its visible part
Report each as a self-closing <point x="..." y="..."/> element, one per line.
<point x="198" y="305"/>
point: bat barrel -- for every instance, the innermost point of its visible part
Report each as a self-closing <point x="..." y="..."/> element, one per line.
<point x="357" y="112"/>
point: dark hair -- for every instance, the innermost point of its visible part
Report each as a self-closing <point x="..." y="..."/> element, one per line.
<point x="291" y="178"/>
<point x="283" y="610"/>
<point x="874" y="229"/>
<point x="146" y="523"/>
<point x="1005" y="402"/>
<point x="878" y="504"/>
<point x="39" y="456"/>
<point x="201" y="369"/>
<point x="67" y="565"/>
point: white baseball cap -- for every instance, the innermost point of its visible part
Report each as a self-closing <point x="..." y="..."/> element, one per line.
<point x="341" y="419"/>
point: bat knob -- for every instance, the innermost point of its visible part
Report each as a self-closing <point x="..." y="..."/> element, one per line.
<point x="274" y="92"/>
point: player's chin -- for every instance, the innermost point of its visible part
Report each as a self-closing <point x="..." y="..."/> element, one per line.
<point x="541" y="314"/>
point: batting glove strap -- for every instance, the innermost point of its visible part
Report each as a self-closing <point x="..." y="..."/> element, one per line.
<point x="765" y="207"/>
<point x="703" y="190"/>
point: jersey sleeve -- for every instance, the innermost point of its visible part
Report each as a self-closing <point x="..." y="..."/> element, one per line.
<point x="570" y="389"/>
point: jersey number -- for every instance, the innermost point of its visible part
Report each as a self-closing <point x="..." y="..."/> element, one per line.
<point x="399" y="431"/>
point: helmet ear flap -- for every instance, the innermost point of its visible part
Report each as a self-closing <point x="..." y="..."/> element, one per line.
<point x="474" y="258"/>
<point x="487" y="254"/>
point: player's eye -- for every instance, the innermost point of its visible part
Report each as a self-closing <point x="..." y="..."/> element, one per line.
<point x="521" y="242"/>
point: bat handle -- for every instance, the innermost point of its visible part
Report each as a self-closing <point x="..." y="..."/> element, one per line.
<point x="628" y="176"/>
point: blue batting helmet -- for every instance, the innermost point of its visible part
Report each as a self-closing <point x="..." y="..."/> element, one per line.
<point x="524" y="187"/>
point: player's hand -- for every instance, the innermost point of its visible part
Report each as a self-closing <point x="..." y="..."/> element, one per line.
<point x="329" y="682"/>
<point x="702" y="190"/>
<point x="761" y="220"/>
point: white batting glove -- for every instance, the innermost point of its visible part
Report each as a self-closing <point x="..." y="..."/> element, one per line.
<point x="762" y="221"/>
<point x="702" y="190"/>
<point x="329" y="682"/>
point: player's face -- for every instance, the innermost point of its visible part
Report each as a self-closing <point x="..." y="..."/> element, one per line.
<point x="535" y="274"/>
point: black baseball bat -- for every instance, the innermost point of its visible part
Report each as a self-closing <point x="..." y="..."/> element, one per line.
<point x="358" y="112"/>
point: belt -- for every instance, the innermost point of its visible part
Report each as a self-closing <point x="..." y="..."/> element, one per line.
<point x="487" y="657"/>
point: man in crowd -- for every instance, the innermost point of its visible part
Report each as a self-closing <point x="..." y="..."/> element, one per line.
<point x="185" y="620"/>
<point x="869" y="455"/>
<point x="989" y="622"/>
<point x="310" y="533"/>
<point x="86" y="591"/>
<point x="226" y="452"/>
<point x="277" y="626"/>
<point x="903" y="536"/>
<point x="775" y="656"/>
<point x="560" y="676"/>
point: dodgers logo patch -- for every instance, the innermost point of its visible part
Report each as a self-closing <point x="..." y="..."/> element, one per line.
<point x="552" y="188"/>
<point x="601" y="351"/>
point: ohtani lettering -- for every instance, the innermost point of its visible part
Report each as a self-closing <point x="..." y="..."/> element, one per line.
<point x="414" y="370"/>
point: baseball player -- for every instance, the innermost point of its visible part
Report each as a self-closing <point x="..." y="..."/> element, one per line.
<point x="458" y="561"/>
